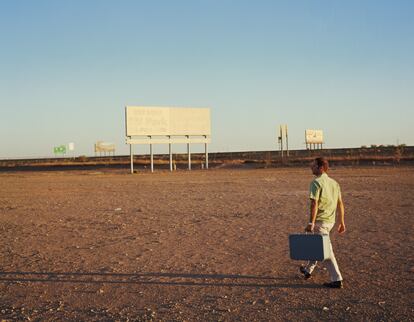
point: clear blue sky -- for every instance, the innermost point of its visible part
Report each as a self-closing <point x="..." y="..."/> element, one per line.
<point x="68" y="68"/>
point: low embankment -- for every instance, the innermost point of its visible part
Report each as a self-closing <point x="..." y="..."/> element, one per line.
<point x="372" y="156"/>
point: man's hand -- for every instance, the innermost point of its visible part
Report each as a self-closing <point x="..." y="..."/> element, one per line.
<point x="309" y="227"/>
<point x="341" y="228"/>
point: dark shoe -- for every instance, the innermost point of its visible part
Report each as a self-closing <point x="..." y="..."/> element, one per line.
<point x="305" y="273"/>
<point x="337" y="284"/>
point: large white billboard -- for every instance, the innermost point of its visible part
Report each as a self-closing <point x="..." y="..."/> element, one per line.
<point x="167" y="121"/>
<point x="314" y="136"/>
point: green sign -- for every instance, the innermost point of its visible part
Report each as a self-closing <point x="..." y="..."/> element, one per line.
<point x="61" y="149"/>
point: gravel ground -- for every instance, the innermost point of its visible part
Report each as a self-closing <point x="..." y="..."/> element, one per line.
<point x="199" y="246"/>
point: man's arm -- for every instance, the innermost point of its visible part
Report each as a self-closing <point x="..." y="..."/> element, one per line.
<point x="312" y="217"/>
<point x="341" y="208"/>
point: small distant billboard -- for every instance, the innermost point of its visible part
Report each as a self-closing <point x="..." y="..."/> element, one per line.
<point x="104" y="147"/>
<point x="61" y="149"/>
<point x="314" y="136"/>
<point x="71" y="146"/>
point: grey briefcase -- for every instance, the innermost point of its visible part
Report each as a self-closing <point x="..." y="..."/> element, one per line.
<point x="309" y="247"/>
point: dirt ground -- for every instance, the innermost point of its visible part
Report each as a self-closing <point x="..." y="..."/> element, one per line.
<point x="199" y="246"/>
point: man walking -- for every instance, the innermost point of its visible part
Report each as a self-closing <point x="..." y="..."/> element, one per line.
<point x="325" y="198"/>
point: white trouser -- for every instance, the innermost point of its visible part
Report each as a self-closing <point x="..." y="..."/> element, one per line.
<point x="330" y="263"/>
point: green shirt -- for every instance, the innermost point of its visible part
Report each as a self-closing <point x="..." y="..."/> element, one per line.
<point x="327" y="192"/>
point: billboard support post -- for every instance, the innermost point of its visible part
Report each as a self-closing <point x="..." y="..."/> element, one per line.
<point x="151" y="156"/>
<point x="287" y="141"/>
<point x="206" y="152"/>
<point x="281" y="142"/>
<point x="189" y="153"/>
<point x="170" y="153"/>
<point x="283" y="135"/>
<point x="132" y="158"/>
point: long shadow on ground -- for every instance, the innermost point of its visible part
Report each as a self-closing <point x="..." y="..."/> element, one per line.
<point x="181" y="279"/>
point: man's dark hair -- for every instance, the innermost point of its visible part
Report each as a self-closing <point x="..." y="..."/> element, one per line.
<point x="322" y="163"/>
